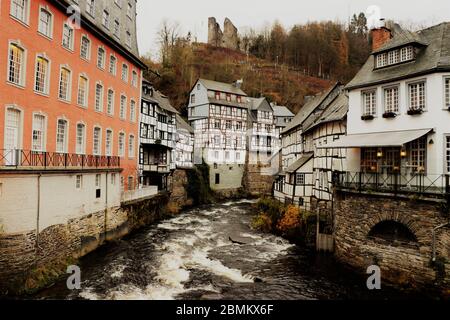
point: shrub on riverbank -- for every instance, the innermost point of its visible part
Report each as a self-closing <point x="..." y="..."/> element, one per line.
<point x="287" y="221"/>
<point x="198" y="187"/>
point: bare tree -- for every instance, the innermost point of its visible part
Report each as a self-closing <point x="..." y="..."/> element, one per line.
<point x="168" y="35"/>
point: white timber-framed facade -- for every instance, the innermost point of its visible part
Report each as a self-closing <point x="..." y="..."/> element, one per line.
<point x="157" y="138"/>
<point x="218" y="112"/>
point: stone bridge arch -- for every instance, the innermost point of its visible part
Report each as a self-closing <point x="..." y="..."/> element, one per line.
<point x="406" y="223"/>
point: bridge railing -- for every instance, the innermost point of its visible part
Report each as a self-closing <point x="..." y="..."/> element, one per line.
<point x="396" y="183"/>
<point x="16" y="159"/>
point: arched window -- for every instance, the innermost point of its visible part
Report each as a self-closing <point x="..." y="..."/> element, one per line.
<point x="392" y="231"/>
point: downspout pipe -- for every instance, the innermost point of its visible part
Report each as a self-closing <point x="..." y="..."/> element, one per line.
<point x="434" y="238"/>
<point x="38" y="211"/>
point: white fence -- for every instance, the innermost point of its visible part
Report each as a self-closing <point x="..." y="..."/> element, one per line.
<point x="133" y="195"/>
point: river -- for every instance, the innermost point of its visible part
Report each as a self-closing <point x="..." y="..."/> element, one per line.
<point x="191" y="257"/>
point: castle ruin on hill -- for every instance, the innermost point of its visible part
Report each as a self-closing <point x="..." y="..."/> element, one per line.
<point x="229" y="38"/>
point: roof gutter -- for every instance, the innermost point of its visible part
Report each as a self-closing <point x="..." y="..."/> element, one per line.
<point x="63" y="5"/>
<point x="411" y="75"/>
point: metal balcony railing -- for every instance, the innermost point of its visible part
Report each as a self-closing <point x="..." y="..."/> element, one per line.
<point x="26" y="159"/>
<point x="396" y="183"/>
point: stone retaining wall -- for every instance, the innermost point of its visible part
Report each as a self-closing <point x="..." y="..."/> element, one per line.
<point x="402" y="263"/>
<point x="29" y="261"/>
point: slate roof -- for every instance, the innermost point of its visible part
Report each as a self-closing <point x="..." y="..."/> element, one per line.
<point x="336" y="110"/>
<point x="433" y="56"/>
<point x="281" y="111"/>
<point x="158" y="98"/>
<point x="255" y="103"/>
<point x="181" y="124"/>
<point x="222" y="87"/>
<point x="300" y="162"/>
<point x="308" y="109"/>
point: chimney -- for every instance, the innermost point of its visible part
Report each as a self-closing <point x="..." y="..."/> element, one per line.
<point x="238" y="83"/>
<point x="380" y="35"/>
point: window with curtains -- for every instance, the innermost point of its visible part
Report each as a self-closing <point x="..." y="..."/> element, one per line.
<point x="16" y="67"/>
<point x="82" y="91"/>
<point x="64" y="84"/>
<point x="41" y="82"/>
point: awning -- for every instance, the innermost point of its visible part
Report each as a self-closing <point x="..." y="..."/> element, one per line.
<point x="300" y="162"/>
<point x="382" y="139"/>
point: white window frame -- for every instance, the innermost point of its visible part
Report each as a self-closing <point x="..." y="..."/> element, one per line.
<point x="409" y="88"/>
<point x="66" y="136"/>
<point x="26" y="13"/>
<point x="447" y="92"/>
<point x="88" y="49"/>
<point x="121" y="146"/>
<point x="80" y="149"/>
<point x="131" y="146"/>
<point x="113" y="67"/>
<point x="123" y="107"/>
<point x="72" y="40"/>
<point x="98" y="146"/>
<point x="109" y="147"/>
<point x="99" y="100"/>
<point x="69" y="84"/>
<point x="373" y="102"/>
<point x="50" y="27"/>
<point x="395" y="106"/>
<point x="86" y="92"/>
<point x="23" y="64"/>
<point x="46" y="84"/>
<point x="110" y="102"/>
<point x="43" y="146"/>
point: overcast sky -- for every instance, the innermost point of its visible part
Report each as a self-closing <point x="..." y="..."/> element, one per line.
<point x="192" y="15"/>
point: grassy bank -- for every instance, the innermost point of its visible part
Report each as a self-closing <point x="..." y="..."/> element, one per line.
<point x="287" y="221"/>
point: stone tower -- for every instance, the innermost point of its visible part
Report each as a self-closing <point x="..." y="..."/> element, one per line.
<point x="230" y="35"/>
<point x="227" y="39"/>
<point x="215" y="34"/>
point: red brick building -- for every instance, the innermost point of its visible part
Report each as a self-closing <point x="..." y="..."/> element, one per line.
<point x="69" y="92"/>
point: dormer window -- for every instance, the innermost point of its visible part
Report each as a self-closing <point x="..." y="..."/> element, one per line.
<point x="394" y="57"/>
<point x="217" y="94"/>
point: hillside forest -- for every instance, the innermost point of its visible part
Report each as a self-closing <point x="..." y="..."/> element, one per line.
<point x="283" y="65"/>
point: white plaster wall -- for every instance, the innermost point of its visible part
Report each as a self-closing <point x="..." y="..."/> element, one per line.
<point x="435" y="117"/>
<point x="60" y="200"/>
